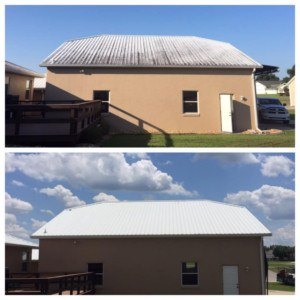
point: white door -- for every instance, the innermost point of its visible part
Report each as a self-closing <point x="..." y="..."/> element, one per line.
<point x="230" y="280"/>
<point x="226" y="112"/>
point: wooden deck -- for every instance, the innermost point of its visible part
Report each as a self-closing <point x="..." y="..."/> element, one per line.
<point x="50" y="284"/>
<point x="42" y="122"/>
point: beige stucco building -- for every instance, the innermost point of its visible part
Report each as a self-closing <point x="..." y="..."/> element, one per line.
<point x="19" y="82"/>
<point x="157" y="84"/>
<point x="159" y="247"/>
<point x="19" y="255"/>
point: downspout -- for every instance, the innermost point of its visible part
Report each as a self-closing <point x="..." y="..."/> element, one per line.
<point x="262" y="268"/>
<point x="255" y="103"/>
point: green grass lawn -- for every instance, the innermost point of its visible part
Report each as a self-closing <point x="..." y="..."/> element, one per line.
<point x="275" y="266"/>
<point x="286" y="139"/>
<point x="277" y="286"/>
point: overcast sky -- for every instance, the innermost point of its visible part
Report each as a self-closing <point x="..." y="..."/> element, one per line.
<point x="266" y="33"/>
<point x="39" y="186"/>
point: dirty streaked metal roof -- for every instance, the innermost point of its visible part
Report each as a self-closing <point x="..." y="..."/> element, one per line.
<point x="155" y="218"/>
<point x="148" y="51"/>
<point x="16" y="241"/>
<point x="16" y="69"/>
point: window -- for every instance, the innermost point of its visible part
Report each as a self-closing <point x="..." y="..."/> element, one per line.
<point x="190" y="101"/>
<point x="189" y="273"/>
<point x="28" y="89"/>
<point x="97" y="268"/>
<point x="6" y="84"/>
<point x="104" y="97"/>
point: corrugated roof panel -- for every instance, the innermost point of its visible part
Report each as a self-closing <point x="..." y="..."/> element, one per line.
<point x="16" y="241"/>
<point x="148" y="51"/>
<point x="156" y="218"/>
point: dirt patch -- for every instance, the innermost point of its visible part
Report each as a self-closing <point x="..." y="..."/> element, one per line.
<point x="268" y="131"/>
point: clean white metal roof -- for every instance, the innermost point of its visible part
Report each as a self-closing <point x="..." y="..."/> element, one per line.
<point x="148" y="51"/>
<point x="16" y="69"/>
<point x="155" y="218"/>
<point x="15" y="241"/>
<point x="39" y="83"/>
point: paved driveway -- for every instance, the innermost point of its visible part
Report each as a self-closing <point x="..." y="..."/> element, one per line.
<point x="275" y="125"/>
<point x="271" y="276"/>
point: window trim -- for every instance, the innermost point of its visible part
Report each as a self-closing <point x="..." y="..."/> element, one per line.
<point x="109" y="97"/>
<point x="190" y="113"/>
<point x="29" y="89"/>
<point x="102" y="274"/>
<point x="182" y="273"/>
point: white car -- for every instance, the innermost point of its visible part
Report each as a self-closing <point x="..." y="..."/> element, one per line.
<point x="272" y="109"/>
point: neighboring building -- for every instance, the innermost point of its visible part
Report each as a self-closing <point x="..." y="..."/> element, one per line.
<point x="158" y="247"/>
<point x="291" y="87"/>
<point x="39" y="88"/>
<point x="20" y="255"/>
<point x="167" y="84"/>
<point x="282" y="89"/>
<point x="267" y="87"/>
<point x="19" y="82"/>
<point x="270" y="255"/>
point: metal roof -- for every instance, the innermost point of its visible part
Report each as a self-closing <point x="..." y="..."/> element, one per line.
<point x="155" y="218"/>
<point x="39" y="83"/>
<point x="148" y="51"/>
<point x="16" y="69"/>
<point x="15" y="241"/>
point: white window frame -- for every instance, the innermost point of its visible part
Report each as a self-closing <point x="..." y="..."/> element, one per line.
<point x="193" y="273"/>
<point x="109" y="96"/>
<point x="190" y="113"/>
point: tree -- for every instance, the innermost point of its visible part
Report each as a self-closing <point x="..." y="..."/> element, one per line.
<point x="291" y="73"/>
<point x="267" y="77"/>
<point x="284" y="252"/>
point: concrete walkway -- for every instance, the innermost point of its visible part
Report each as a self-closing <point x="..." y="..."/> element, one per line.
<point x="272" y="292"/>
<point x="271" y="276"/>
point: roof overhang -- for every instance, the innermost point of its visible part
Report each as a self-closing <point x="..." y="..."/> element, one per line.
<point x="153" y="236"/>
<point x="266" y="69"/>
<point x="22" y="246"/>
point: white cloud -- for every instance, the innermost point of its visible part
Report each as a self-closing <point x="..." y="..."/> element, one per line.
<point x="99" y="171"/>
<point x="48" y="212"/>
<point x="284" y="235"/>
<point x="37" y="224"/>
<point x="18" y="183"/>
<point x="102" y="197"/>
<point x="138" y="155"/>
<point x="229" y="158"/>
<point x="64" y="195"/>
<point x="13" y="228"/>
<point x="15" y="205"/>
<point x="10" y="218"/>
<point x="273" y="166"/>
<point x="274" y="201"/>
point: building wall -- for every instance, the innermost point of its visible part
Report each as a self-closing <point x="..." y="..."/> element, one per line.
<point x="13" y="259"/>
<point x="17" y="85"/>
<point x="153" y="265"/>
<point x="260" y="88"/>
<point x="151" y="99"/>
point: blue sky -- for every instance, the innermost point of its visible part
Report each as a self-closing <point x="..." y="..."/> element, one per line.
<point x="39" y="186"/>
<point x="266" y="33"/>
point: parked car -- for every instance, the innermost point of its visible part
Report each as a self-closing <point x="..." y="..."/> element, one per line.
<point x="272" y="109"/>
<point x="286" y="277"/>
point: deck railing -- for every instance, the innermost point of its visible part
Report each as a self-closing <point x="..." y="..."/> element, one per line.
<point x="45" y="284"/>
<point x="65" y="119"/>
